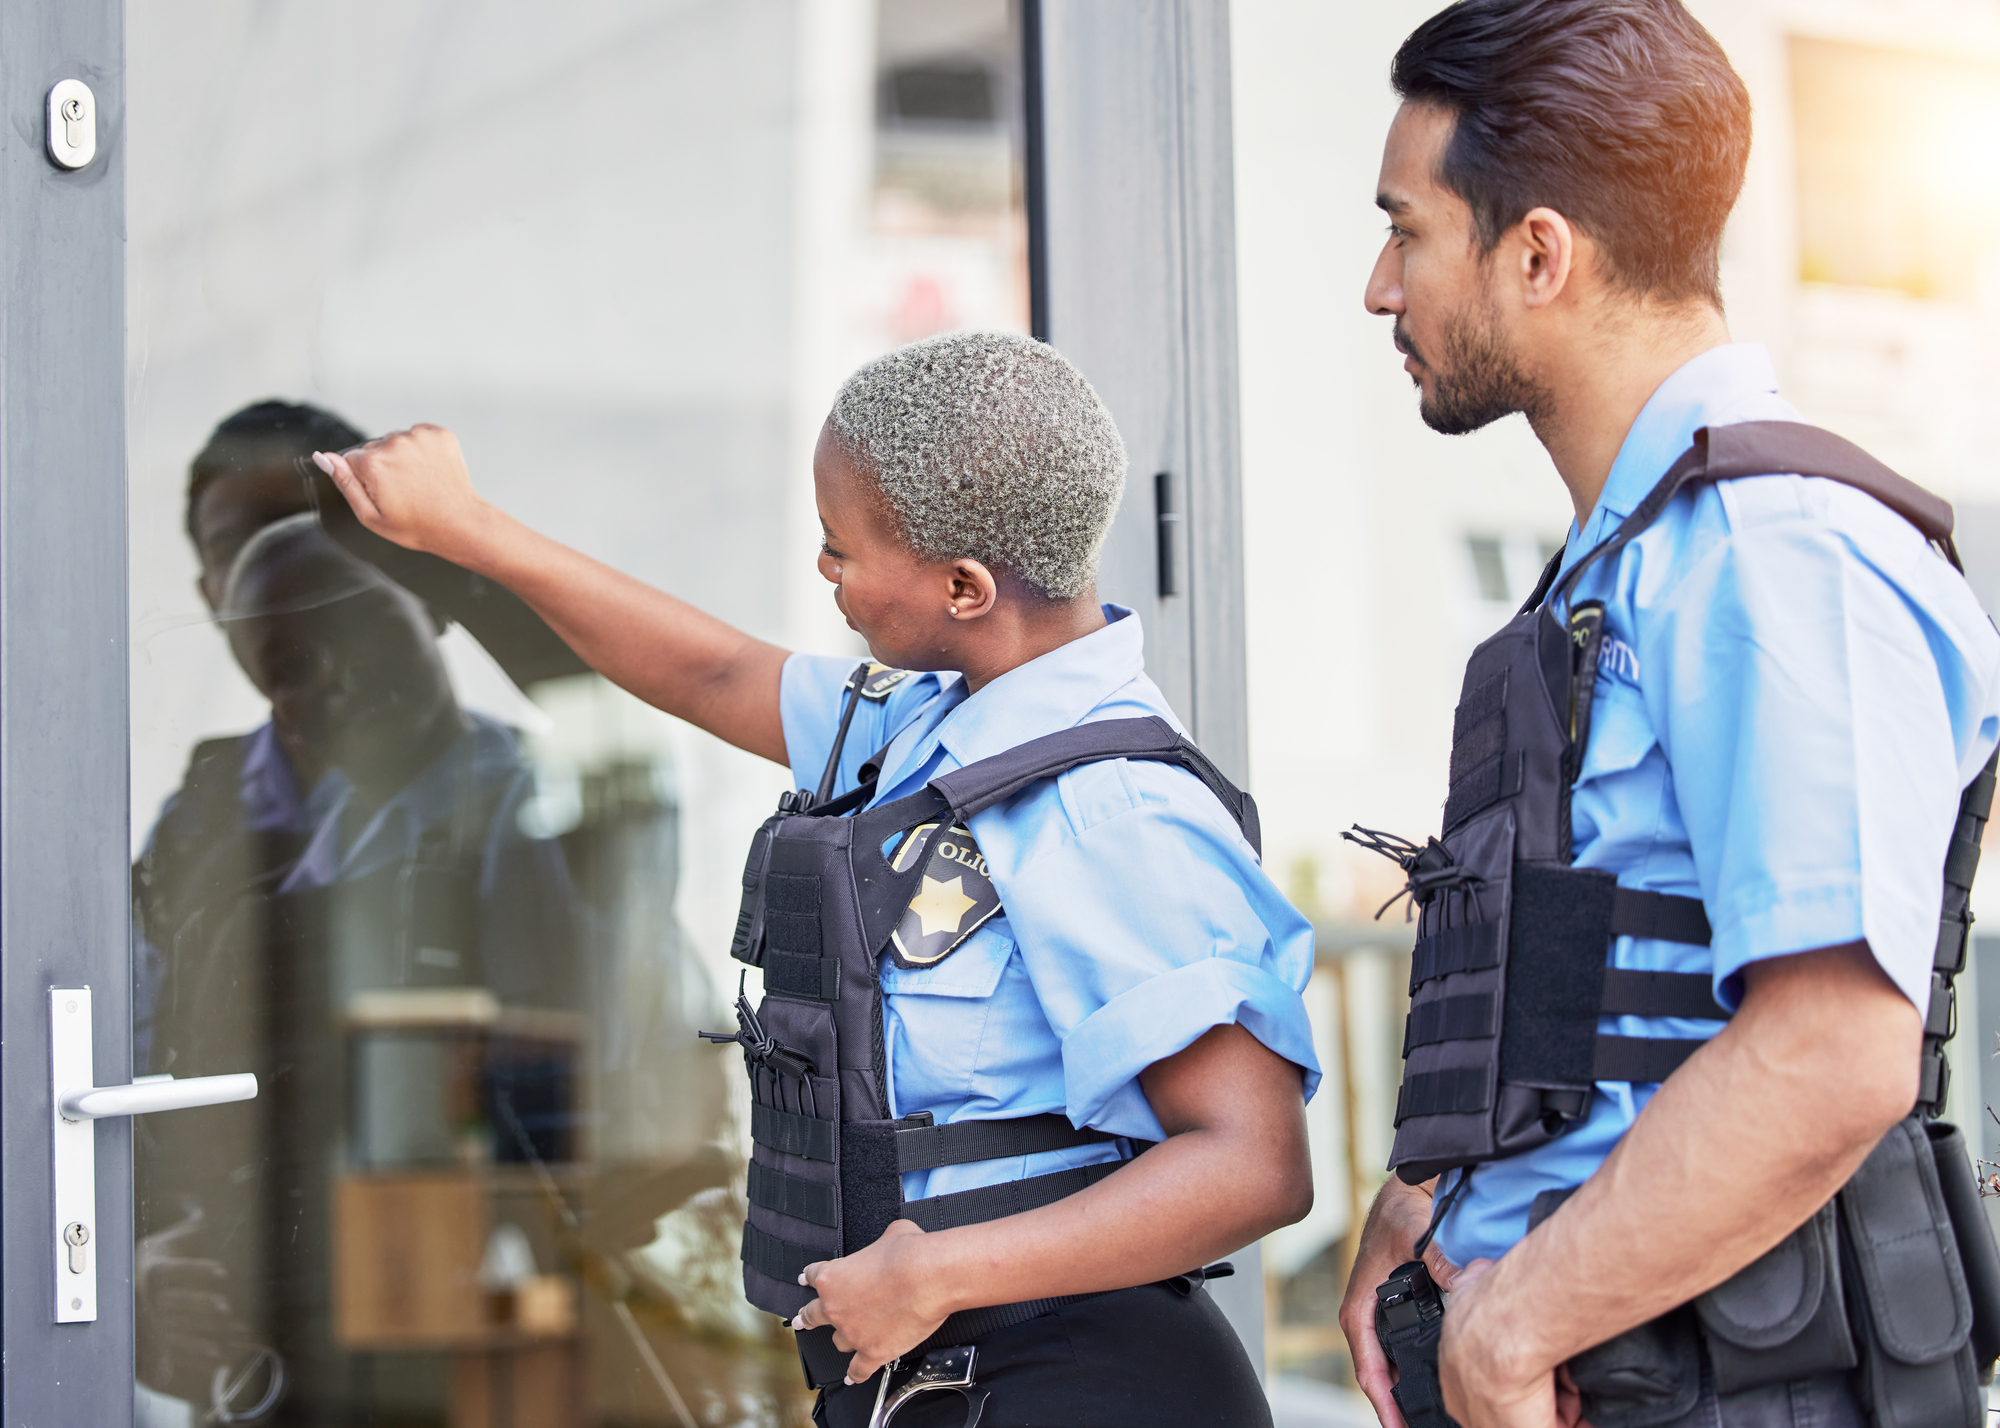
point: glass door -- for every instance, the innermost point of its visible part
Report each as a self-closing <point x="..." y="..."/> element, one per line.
<point x="460" y="905"/>
<point x="276" y="801"/>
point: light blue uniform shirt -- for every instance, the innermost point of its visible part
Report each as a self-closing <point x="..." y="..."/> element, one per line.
<point x="1135" y="917"/>
<point x="1795" y="688"/>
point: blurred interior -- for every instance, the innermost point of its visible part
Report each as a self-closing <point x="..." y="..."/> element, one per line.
<point x="460" y="906"/>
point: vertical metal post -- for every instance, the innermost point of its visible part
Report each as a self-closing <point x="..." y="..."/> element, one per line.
<point x="64" y="905"/>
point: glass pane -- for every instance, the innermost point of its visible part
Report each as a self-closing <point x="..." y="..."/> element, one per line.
<point x="460" y="905"/>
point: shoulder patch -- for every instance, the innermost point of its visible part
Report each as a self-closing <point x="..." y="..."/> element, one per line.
<point x="955" y="897"/>
<point x="881" y="681"/>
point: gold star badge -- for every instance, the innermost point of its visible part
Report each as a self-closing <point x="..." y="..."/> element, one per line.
<point x="940" y="907"/>
<point x="955" y="896"/>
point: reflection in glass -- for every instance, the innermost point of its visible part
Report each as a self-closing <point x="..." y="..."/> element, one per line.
<point x="459" y="906"/>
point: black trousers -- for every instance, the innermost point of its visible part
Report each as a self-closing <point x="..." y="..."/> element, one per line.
<point x="1149" y="1356"/>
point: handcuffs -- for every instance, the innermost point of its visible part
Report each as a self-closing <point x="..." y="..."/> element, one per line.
<point x="941" y="1369"/>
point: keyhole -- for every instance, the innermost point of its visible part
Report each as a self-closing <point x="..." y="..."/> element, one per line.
<point x="77" y="1236"/>
<point x="72" y="113"/>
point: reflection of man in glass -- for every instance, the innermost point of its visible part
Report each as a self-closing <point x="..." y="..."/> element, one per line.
<point x="397" y="864"/>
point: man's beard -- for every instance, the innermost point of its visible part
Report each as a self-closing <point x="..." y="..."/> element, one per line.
<point x="1479" y="380"/>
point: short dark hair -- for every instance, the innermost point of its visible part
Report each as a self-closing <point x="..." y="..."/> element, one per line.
<point x="1622" y="115"/>
<point x="261" y="433"/>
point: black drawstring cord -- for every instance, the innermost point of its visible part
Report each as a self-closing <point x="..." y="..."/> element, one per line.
<point x="1430" y="866"/>
<point x="760" y="1048"/>
<point x="1439" y="1209"/>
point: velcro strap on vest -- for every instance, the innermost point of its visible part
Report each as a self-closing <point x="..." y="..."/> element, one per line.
<point x="1628" y="992"/>
<point x="1499" y="777"/>
<point x="789" y="1134"/>
<point x="801" y="974"/>
<point x="777" y="1258"/>
<point x="1664" y="916"/>
<point x="994" y="1202"/>
<point x="1463" y="1018"/>
<point x="1640" y="1058"/>
<point x="1459" y="1091"/>
<point x="788" y="1195"/>
<point x="1456" y="949"/>
<point x="964" y="1142"/>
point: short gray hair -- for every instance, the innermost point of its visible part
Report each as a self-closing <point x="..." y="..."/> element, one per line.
<point x="989" y="446"/>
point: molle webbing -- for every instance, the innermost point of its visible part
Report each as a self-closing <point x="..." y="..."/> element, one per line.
<point x="807" y="1137"/>
<point x="1009" y="1197"/>
<point x="1634" y="913"/>
<point x="1509" y="978"/>
<point x="789" y="1195"/>
<point x="801" y="974"/>
<point x="775" y="1258"/>
<point x="820" y="902"/>
<point x="922" y="1146"/>
<point x="926" y="1147"/>
<point x="1569" y="917"/>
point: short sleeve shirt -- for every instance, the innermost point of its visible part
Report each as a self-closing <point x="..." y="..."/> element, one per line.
<point x="1794" y="689"/>
<point x="1134" y="915"/>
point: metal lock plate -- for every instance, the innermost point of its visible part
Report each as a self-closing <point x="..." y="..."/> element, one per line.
<point x="72" y="124"/>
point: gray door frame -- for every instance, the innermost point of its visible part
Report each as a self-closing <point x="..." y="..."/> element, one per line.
<point x="1133" y="201"/>
<point x="1138" y="252"/>
<point x="1135" y="246"/>
<point x="64" y="903"/>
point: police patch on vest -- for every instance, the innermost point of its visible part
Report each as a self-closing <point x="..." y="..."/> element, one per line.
<point x="882" y="681"/>
<point x="954" y="897"/>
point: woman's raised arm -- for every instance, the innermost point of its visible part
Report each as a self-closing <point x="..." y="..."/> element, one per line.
<point x="412" y="487"/>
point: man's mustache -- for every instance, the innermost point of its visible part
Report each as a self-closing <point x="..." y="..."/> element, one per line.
<point x="1405" y="345"/>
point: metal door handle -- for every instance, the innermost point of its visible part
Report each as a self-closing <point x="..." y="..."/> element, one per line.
<point x="74" y="1102"/>
<point x="154" y="1093"/>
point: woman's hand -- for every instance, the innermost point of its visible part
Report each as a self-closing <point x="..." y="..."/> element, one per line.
<point x="410" y="487"/>
<point x="879" y="1301"/>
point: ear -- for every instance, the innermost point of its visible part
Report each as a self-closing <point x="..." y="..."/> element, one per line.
<point x="972" y="590"/>
<point x="1546" y="251"/>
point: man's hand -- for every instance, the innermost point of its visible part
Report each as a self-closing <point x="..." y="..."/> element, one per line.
<point x="1486" y="1377"/>
<point x="1396" y="1222"/>
<point x="877" y="1301"/>
<point x="411" y="487"/>
<point x="1791" y="1095"/>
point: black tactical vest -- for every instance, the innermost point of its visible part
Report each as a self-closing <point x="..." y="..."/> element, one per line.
<point x="826" y="885"/>
<point x="1509" y="974"/>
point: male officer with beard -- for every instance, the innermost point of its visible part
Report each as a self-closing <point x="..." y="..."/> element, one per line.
<point x="1792" y="691"/>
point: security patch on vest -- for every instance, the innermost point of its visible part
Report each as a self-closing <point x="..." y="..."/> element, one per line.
<point x="882" y="681"/>
<point x="954" y="897"/>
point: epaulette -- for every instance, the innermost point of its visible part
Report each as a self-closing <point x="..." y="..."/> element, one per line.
<point x="881" y="682"/>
